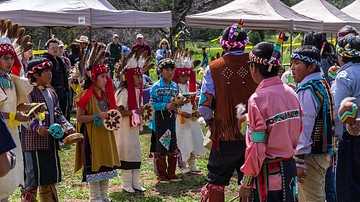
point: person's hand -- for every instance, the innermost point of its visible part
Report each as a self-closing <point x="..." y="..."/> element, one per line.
<point x="170" y="106"/>
<point x="291" y="85"/>
<point x="43" y="131"/>
<point x="71" y="131"/>
<point x="22" y="117"/>
<point x="103" y="115"/>
<point x="186" y="115"/>
<point x="244" y="193"/>
<point x="140" y="111"/>
<point x="301" y="173"/>
<point x="354" y="128"/>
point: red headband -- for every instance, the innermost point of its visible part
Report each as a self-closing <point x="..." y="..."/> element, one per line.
<point x="109" y="88"/>
<point x="8" y="48"/>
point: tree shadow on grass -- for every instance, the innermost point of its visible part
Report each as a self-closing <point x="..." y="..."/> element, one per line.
<point x="189" y="185"/>
<point x="136" y="197"/>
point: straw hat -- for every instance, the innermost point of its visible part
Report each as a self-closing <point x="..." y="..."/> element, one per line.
<point x="82" y="39"/>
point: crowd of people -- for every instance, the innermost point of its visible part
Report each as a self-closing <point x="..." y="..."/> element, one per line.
<point x="290" y="145"/>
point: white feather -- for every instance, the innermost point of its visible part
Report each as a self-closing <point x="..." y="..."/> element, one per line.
<point x="346" y="100"/>
<point x="201" y="121"/>
<point x="240" y="109"/>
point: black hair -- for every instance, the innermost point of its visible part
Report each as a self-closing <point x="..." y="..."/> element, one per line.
<point x="354" y="42"/>
<point x="311" y="52"/>
<point x="317" y="39"/>
<point x="53" y="40"/>
<point x="241" y="37"/>
<point x="264" y="50"/>
<point x="35" y="62"/>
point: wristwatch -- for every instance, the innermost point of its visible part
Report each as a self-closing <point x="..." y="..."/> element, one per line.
<point x="13" y="159"/>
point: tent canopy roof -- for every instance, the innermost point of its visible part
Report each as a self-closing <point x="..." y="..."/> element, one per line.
<point x="95" y="13"/>
<point x="353" y="9"/>
<point x="257" y="14"/>
<point x="332" y="17"/>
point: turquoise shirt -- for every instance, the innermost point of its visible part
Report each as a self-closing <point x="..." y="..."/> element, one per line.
<point x="160" y="95"/>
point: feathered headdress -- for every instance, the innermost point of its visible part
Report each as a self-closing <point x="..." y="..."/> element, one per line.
<point x="12" y="40"/>
<point x="90" y="66"/>
<point x="135" y="63"/>
<point x="185" y="67"/>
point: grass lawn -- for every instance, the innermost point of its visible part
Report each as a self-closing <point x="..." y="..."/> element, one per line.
<point x="72" y="189"/>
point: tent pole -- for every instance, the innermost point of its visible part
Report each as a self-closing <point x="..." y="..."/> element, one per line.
<point x="291" y="41"/>
<point x="90" y="33"/>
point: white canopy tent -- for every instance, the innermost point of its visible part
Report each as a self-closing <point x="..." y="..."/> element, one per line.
<point x="353" y="9"/>
<point x="94" y="13"/>
<point x="257" y="14"/>
<point x="333" y="18"/>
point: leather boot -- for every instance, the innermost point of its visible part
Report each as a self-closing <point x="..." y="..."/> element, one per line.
<point x="104" y="188"/>
<point x="216" y="195"/>
<point x="95" y="193"/>
<point x="160" y="163"/>
<point x="136" y="180"/>
<point x="48" y="193"/>
<point x="172" y="160"/>
<point x="126" y="178"/>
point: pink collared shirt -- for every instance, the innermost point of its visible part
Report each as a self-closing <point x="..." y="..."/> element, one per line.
<point x="275" y="109"/>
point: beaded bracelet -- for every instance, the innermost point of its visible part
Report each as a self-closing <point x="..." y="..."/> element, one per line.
<point x="247" y="181"/>
<point x="97" y="120"/>
<point x="299" y="159"/>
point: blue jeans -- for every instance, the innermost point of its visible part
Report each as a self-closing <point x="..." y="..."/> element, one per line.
<point x="347" y="170"/>
<point x="330" y="188"/>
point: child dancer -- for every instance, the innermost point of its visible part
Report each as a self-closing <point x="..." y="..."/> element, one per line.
<point x="42" y="163"/>
<point x="129" y="102"/>
<point x="188" y="132"/>
<point x="163" y="138"/>
<point x="13" y="92"/>
<point x="273" y="132"/>
<point x="97" y="153"/>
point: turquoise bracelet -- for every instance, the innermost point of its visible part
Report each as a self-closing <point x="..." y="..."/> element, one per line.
<point x="97" y="120"/>
<point x="258" y="136"/>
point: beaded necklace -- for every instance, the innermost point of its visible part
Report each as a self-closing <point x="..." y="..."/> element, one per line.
<point x="101" y="101"/>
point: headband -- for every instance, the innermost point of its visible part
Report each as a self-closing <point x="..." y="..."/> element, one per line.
<point x="165" y="63"/>
<point x="305" y="58"/>
<point x="263" y="61"/>
<point x="347" y="51"/>
<point x="231" y="42"/>
<point x="41" y="66"/>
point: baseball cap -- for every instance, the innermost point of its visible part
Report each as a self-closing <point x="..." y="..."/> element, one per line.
<point x="115" y="35"/>
<point x="139" y="36"/>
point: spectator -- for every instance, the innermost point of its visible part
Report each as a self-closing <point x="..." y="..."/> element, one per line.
<point x="164" y="50"/>
<point x="116" y="53"/>
<point x="59" y="82"/>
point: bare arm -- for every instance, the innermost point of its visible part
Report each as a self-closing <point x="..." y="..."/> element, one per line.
<point x="86" y="118"/>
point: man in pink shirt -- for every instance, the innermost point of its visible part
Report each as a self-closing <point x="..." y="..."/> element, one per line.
<point x="274" y="127"/>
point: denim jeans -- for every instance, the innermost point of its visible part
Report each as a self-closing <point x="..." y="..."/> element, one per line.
<point x="330" y="188"/>
<point x="347" y="170"/>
